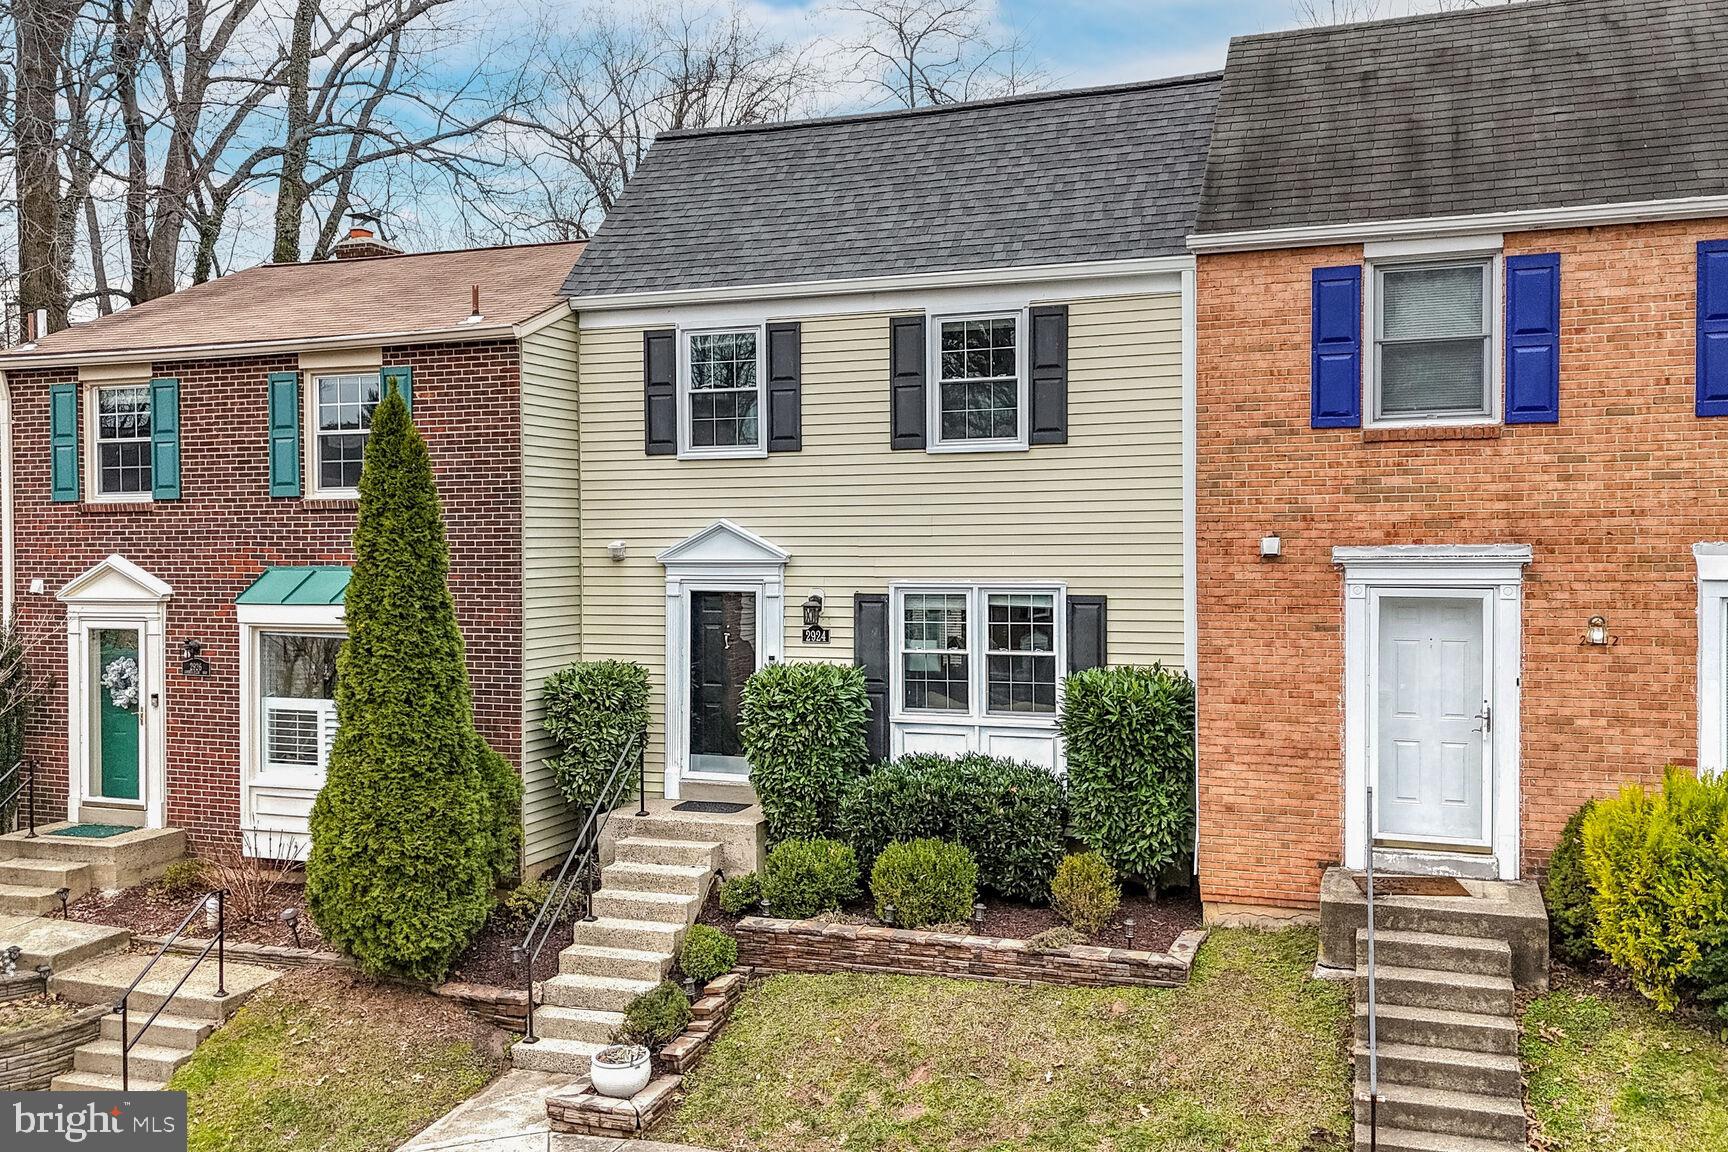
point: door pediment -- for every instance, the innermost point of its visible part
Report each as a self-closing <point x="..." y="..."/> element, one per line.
<point x="723" y="544"/>
<point x="115" y="580"/>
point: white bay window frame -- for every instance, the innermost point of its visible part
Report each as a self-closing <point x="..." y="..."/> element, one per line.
<point x="1379" y="259"/>
<point x="686" y="410"/>
<point x="934" y="441"/>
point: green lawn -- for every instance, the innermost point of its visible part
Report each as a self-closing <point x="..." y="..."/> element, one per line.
<point x="1607" y="1073"/>
<point x="1251" y="1057"/>
<point x="328" y="1062"/>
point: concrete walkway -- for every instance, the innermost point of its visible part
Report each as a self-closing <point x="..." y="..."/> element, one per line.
<point x="510" y="1116"/>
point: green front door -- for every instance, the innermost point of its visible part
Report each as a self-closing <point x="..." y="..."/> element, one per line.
<point x="117" y="687"/>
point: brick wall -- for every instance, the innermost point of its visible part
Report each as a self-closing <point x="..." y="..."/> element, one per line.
<point x="214" y="541"/>
<point x="1611" y="499"/>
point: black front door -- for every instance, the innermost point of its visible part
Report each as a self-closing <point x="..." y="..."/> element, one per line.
<point x="722" y="657"/>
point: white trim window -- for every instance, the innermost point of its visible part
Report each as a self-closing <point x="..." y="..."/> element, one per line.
<point x="297" y="702"/>
<point x="1432" y="325"/>
<point x="722" y="386"/>
<point x="978" y="396"/>
<point x="120" y="448"/>
<point x="341" y="405"/>
<point x="981" y="652"/>
<point x="1712" y="561"/>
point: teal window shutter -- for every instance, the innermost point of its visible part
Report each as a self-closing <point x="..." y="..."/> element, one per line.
<point x="165" y="439"/>
<point x="401" y="379"/>
<point x="63" y="441"/>
<point x="284" y="433"/>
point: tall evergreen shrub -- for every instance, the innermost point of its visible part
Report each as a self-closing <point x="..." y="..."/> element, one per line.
<point x="593" y="709"/>
<point x="802" y="726"/>
<point x="1129" y="734"/>
<point x="409" y="830"/>
<point x="1571" y="902"/>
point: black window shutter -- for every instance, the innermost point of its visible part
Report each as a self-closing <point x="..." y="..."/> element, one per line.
<point x="660" y="392"/>
<point x="870" y="652"/>
<point x="1049" y="363"/>
<point x="785" y="375"/>
<point x="906" y="383"/>
<point x="1088" y="632"/>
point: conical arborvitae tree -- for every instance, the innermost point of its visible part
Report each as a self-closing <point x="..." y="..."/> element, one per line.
<point x="416" y="820"/>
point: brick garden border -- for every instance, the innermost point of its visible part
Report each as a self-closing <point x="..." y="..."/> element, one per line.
<point x="772" y="945"/>
<point x="29" y="1059"/>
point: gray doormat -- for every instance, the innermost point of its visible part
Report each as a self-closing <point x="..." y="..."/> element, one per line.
<point x="717" y="807"/>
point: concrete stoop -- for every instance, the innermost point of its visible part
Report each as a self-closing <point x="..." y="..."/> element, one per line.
<point x="193" y="1013"/>
<point x="1447" y="1029"/>
<point x="656" y="876"/>
<point x="33" y="869"/>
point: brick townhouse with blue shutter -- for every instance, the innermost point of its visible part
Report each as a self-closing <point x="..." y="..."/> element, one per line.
<point x="1462" y="433"/>
<point x="181" y="496"/>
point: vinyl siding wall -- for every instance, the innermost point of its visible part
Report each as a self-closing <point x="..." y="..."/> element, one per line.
<point x="1103" y="512"/>
<point x="551" y="570"/>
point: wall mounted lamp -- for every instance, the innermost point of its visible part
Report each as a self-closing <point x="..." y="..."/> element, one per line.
<point x="1596" y="633"/>
<point x="617" y="550"/>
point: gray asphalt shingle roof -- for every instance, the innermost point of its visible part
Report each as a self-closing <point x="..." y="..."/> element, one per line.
<point x="1099" y="174"/>
<point x="1546" y="104"/>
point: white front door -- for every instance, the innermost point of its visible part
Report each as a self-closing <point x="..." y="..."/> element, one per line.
<point x="1431" y="751"/>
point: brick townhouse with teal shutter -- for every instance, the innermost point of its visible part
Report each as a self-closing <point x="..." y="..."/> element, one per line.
<point x="182" y="497"/>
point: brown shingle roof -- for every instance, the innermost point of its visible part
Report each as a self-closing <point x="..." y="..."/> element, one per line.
<point x="399" y="297"/>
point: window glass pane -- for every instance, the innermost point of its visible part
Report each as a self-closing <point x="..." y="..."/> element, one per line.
<point x="1433" y="376"/>
<point x="345" y="407"/>
<point x="935" y="669"/>
<point x="303" y="667"/>
<point x="1423" y="303"/>
<point x="1021" y="670"/>
<point x="122" y="440"/>
<point x="723" y="396"/>
<point x="978" y="392"/>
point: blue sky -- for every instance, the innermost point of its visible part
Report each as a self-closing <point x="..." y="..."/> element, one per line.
<point x="1108" y="41"/>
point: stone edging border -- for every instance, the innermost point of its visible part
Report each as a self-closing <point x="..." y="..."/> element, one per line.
<point x="30" y="1058"/>
<point x="272" y="954"/>
<point x="772" y="945"/>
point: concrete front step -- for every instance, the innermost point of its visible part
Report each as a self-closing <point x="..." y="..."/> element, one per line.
<point x="1507" y="911"/>
<point x="586" y="1024"/>
<point x="549" y="1055"/>
<point x="1449" y="1069"/>
<point x="741" y="835"/>
<point x="60" y="944"/>
<point x="119" y="861"/>
<point x="1437" y="1028"/>
<point x="658" y="907"/>
<point x="1426" y="988"/>
<point x="638" y="935"/>
<point x="23" y="900"/>
<point x="33" y="873"/>
<point x="148" y="1061"/>
<point x="104" y="980"/>
<point x="653" y="850"/>
<point x="1404" y="1140"/>
<point x="1436" y="951"/>
<point x="169" y="1031"/>
<point x="629" y="963"/>
<point x="1448" y="1113"/>
<point x="601" y="993"/>
<point x="99" y="1082"/>
<point x="679" y="879"/>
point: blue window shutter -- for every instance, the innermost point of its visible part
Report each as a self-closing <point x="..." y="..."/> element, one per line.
<point x="402" y="379"/>
<point x="1533" y="339"/>
<point x="284" y="433"/>
<point x="165" y="439"/>
<point x="1713" y="328"/>
<point x="1336" y="384"/>
<point x="63" y="441"/>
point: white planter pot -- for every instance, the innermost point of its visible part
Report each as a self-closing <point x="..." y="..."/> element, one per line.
<point x="621" y="1070"/>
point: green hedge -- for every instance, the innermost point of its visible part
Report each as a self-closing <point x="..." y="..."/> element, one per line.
<point x="802" y="726"/>
<point x="1566" y="890"/>
<point x="1085" y="892"/>
<point x="1658" y="864"/>
<point x="592" y="709"/>
<point x="1129" y="735"/>
<point x="926" y="882"/>
<point x="706" y="953"/>
<point x="804" y="877"/>
<point x="1008" y="814"/>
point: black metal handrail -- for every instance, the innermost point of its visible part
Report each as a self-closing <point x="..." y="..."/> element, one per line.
<point x="127" y="1040"/>
<point x="582" y="855"/>
<point x="22" y="779"/>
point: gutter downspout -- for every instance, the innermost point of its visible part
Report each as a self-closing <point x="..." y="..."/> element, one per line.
<point x="1190" y="545"/>
<point x="8" y="562"/>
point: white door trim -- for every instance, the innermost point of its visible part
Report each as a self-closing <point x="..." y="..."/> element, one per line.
<point x="1712" y="561"/>
<point x="1495" y="571"/>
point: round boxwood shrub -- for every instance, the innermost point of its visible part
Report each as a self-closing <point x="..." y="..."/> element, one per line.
<point x="1566" y="890"/>
<point x="655" y="1018"/>
<point x="802" y="725"/>
<point x="1084" y="892"/>
<point x="706" y="953"/>
<point x="926" y="881"/>
<point x="804" y="877"/>
<point x="739" y="894"/>
<point x="1129" y="735"/>
<point x="1008" y="814"/>
<point x="592" y="709"/>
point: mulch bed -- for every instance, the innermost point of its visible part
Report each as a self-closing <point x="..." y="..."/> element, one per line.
<point x="488" y="959"/>
<point x="1157" y="923"/>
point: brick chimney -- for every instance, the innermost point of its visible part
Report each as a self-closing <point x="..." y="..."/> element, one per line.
<point x="363" y="241"/>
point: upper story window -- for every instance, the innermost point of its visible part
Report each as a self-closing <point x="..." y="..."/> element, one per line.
<point x="723" y="381"/>
<point x="978" y="401"/>
<point x="1433" y="341"/>
<point x="979" y="651"/>
<point x="122" y="428"/>
<point x="342" y="417"/>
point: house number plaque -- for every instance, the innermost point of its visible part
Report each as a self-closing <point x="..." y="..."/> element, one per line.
<point x="814" y="635"/>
